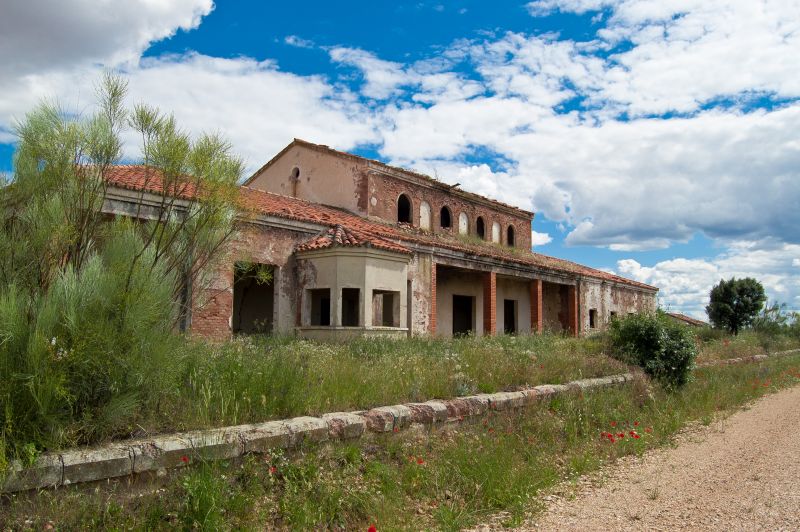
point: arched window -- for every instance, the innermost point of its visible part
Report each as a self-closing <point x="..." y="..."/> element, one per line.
<point x="445" y="219"/>
<point x="495" y="232"/>
<point x="480" y="228"/>
<point x="425" y="216"/>
<point x="295" y="179"/>
<point x="510" y="236"/>
<point x="404" y="209"/>
<point x="463" y="224"/>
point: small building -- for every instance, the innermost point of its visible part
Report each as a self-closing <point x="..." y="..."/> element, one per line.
<point x="683" y="319"/>
<point x="358" y="247"/>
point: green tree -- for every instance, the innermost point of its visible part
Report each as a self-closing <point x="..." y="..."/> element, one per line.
<point x="89" y="302"/>
<point x="735" y="303"/>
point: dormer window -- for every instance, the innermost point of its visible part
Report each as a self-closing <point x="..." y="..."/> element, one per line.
<point x="404" y="214"/>
<point x="510" y="236"/>
<point x="445" y="218"/>
<point x="480" y="228"/>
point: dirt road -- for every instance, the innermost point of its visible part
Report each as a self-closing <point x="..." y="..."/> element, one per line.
<point x="742" y="473"/>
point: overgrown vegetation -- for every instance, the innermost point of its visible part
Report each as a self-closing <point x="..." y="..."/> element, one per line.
<point x="443" y="481"/>
<point x="665" y="349"/>
<point x="88" y="302"/>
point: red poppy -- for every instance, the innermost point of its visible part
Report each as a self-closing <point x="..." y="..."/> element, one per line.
<point x="648" y="430"/>
<point x="420" y="461"/>
<point x="613" y="423"/>
<point x="636" y="436"/>
<point x="372" y="528"/>
<point x="635" y="423"/>
<point x="491" y="430"/>
<point x="541" y="366"/>
<point x="611" y="439"/>
<point x="621" y="435"/>
<point x="396" y="429"/>
<point x="185" y="459"/>
<point x="632" y="433"/>
<point x="273" y="470"/>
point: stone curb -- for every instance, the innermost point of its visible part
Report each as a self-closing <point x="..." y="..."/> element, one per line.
<point x="170" y="451"/>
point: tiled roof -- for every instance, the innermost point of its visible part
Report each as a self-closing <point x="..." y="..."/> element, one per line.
<point x="375" y="162"/>
<point x="266" y="203"/>
<point x="687" y="319"/>
<point x="341" y="236"/>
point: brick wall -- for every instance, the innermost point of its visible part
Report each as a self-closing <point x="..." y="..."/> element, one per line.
<point x="384" y="191"/>
<point x="490" y="303"/>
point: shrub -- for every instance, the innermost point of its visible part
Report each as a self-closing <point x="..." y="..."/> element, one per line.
<point x="665" y="350"/>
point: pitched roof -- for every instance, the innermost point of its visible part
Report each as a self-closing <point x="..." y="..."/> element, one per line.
<point x="687" y="319"/>
<point x="266" y="203"/>
<point x="434" y="182"/>
<point x="340" y="236"/>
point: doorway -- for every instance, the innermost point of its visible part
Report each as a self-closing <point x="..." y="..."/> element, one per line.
<point x="510" y="316"/>
<point x="463" y="315"/>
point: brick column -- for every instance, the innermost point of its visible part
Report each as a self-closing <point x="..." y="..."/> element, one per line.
<point x="536" y="306"/>
<point x="490" y="303"/>
<point x="572" y="310"/>
<point x="432" y="320"/>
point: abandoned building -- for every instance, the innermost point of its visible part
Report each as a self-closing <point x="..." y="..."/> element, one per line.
<point x="358" y="247"/>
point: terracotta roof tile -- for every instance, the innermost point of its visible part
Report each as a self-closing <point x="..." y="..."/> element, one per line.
<point x="341" y="236"/>
<point x="266" y="203"/>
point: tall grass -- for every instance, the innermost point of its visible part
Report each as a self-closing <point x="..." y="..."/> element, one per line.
<point x="431" y="481"/>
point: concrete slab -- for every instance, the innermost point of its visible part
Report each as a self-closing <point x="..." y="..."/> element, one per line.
<point x="87" y="465"/>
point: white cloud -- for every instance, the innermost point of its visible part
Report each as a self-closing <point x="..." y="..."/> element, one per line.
<point x="685" y="283"/>
<point x="298" y="42"/>
<point x="39" y="35"/>
<point x="540" y="239"/>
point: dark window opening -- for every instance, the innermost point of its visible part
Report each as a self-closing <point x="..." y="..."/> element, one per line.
<point x="385" y="308"/>
<point x="445" y="219"/>
<point x="510" y="316"/>
<point x="253" y="298"/>
<point x="510" y="235"/>
<point x="295" y="180"/>
<point x="612" y="316"/>
<point x="350" y="300"/>
<point x="463" y="310"/>
<point x="592" y="318"/>
<point x="320" y="307"/>
<point x="404" y="214"/>
<point x="480" y="228"/>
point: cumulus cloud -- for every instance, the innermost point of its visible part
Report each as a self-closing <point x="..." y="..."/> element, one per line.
<point x="685" y="283"/>
<point x="39" y="35"/>
<point x="540" y="239"/>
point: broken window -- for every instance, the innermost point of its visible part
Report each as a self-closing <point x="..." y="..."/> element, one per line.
<point x="592" y="318"/>
<point x="463" y="224"/>
<point x="350" y="304"/>
<point x="253" y="298"/>
<point x="463" y="313"/>
<point x="510" y="236"/>
<point x="480" y="228"/>
<point x="445" y="219"/>
<point x="320" y="307"/>
<point x="510" y="316"/>
<point x="386" y="308"/>
<point x="404" y="209"/>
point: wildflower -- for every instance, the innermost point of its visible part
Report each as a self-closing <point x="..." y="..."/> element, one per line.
<point x="611" y="439"/>
<point x="636" y="436"/>
<point x="635" y="423"/>
<point x="621" y="435"/>
<point x="420" y="461"/>
<point x="396" y="429"/>
<point x="491" y="430"/>
<point x="613" y="423"/>
<point x="372" y="528"/>
<point x="185" y="459"/>
<point x="632" y="433"/>
<point x="273" y="470"/>
<point x="648" y="430"/>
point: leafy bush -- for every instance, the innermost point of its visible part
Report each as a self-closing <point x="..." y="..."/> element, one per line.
<point x="664" y="349"/>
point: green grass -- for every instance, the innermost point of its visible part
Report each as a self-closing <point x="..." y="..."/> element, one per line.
<point x="443" y="480"/>
<point x="719" y="345"/>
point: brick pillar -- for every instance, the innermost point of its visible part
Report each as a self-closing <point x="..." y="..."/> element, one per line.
<point x="572" y="310"/>
<point x="490" y="303"/>
<point x="432" y="320"/>
<point x="536" y="306"/>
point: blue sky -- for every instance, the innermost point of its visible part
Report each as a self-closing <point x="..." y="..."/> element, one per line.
<point x="655" y="139"/>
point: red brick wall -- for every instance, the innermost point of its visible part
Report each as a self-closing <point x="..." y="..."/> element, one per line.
<point x="536" y="306"/>
<point x="433" y="299"/>
<point x="265" y="245"/>
<point x="490" y="303"/>
<point x="384" y="191"/>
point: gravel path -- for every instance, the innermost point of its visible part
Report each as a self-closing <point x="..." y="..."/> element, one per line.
<point x="741" y="473"/>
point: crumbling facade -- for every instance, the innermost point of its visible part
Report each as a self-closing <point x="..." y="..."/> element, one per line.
<point x="357" y="247"/>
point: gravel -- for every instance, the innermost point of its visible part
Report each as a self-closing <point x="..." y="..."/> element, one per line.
<point x="740" y="473"/>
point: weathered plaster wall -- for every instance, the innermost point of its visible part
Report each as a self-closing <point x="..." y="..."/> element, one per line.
<point x="519" y="291"/>
<point x="607" y="298"/>
<point x="553" y="308"/>
<point x="452" y="282"/>
<point x="324" y="178"/>
<point x="385" y="189"/>
<point x="419" y="273"/>
<point x="213" y="298"/>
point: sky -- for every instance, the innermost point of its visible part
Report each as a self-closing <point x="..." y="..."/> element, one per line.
<point x="656" y="139"/>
